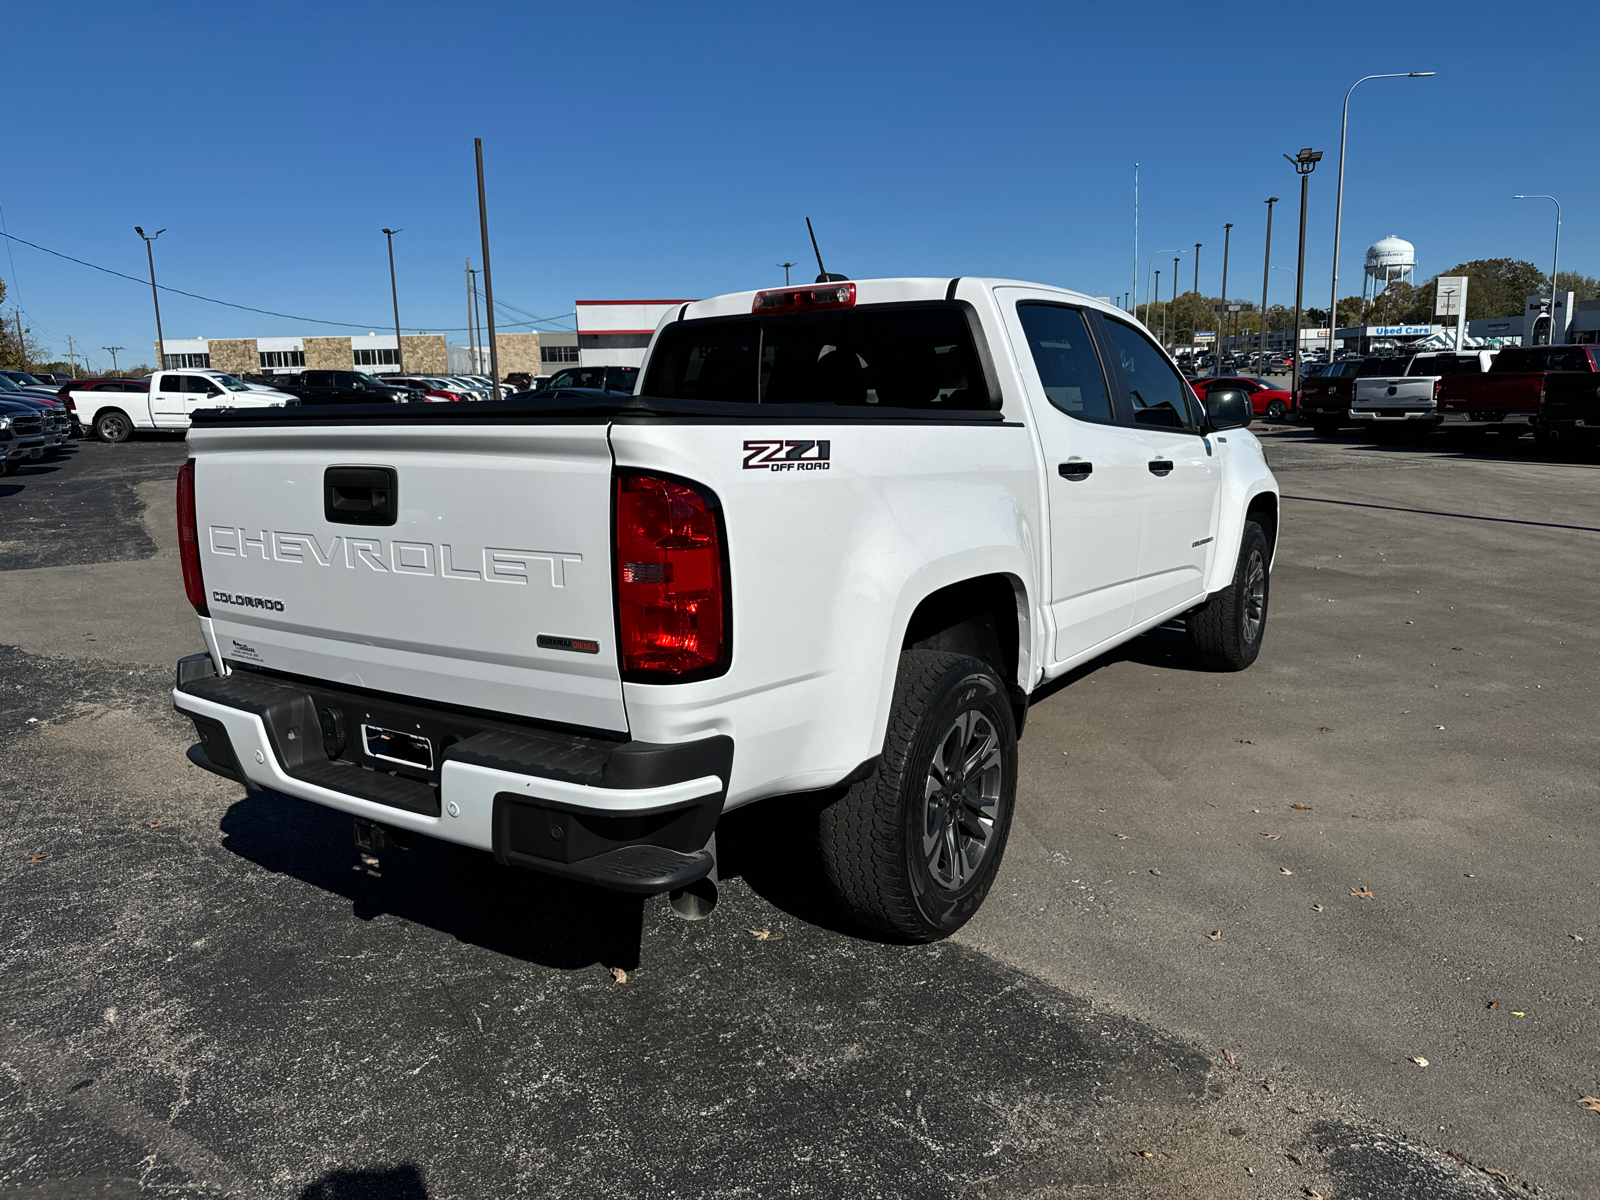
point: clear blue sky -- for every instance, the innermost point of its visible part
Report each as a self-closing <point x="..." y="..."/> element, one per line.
<point x="673" y="150"/>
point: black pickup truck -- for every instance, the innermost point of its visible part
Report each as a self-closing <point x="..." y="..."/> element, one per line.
<point x="344" y="387"/>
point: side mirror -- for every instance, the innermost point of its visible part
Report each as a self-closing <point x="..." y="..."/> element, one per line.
<point x="1227" y="408"/>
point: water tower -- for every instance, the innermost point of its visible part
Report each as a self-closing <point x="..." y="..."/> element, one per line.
<point x="1387" y="261"/>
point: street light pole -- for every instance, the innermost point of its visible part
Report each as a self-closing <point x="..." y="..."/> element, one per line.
<point x="488" y="281"/>
<point x="161" y="343"/>
<point x="1555" y="258"/>
<point x="1197" y="268"/>
<point x="1338" y="202"/>
<point x="1266" y="275"/>
<point x="394" y="295"/>
<point x="1147" y="311"/>
<point x="1171" y="310"/>
<point x="1222" y="315"/>
<point x="1304" y="163"/>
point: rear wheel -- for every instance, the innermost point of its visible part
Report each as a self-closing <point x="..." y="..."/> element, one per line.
<point x="1225" y="632"/>
<point x="1277" y="410"/>
<point x="113" y="426"/>
<point x="913" y="848"/>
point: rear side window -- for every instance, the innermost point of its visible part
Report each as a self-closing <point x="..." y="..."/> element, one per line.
<point x="911" y="356"/>
<point x="1068" y="367"/>
<point x="1154" y="389"/>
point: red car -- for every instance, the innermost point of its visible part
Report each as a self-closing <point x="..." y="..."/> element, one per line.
<point x="1274" y="403"/>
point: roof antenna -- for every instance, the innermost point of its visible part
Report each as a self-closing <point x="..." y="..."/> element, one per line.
<point x="822" y="271"/>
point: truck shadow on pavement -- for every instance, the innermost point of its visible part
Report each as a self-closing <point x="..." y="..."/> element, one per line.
<point x="454" y="889"/>
<point x="404" y="1182"/>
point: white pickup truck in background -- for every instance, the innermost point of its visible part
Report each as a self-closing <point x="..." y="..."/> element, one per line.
<point x="1384" y="402"/>
<point x="836" y="541"/>
<point x="171" y="400"/>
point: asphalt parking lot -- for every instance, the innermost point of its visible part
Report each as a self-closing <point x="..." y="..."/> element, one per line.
<point x="1236" y="916"/>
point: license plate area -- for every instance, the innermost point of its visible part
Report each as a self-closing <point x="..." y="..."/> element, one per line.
<point x="396" y="746"/>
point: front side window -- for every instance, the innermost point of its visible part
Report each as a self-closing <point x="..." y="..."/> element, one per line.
<point x="1155" y="390"/>
<point x="1069" y="369"/>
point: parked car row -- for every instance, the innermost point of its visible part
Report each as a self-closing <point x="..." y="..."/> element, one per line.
<point x="32" y="421"/>
<point x="1552" y="391"/>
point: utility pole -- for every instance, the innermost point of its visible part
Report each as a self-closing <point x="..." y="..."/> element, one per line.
<point x="477" y="319"/>
<point x="112" y="350"/>
<point x="1222" y="317"/>
<point x="22" y="344"/>
<point x="161" y="342"/>
<point x="1266" y="275"/>
<point x="1304" y="163"/>
<point x="786" y="267"/>
<point x="488" y="279"/>
<point x="394" y="295"/>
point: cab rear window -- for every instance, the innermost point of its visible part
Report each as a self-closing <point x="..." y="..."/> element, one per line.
<point x="919" y="356"/>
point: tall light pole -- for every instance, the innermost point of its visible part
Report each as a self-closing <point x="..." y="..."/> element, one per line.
<point x="1135" y="308"/>
<point x="472" y="319"/>
<point x="1147" y="312"/>
<point x="1197" y="268"/>
<point x="1304" y="163"/>
<point x="161" y="344"/>
<point x="1266" y="275"/>
<point x="488" y="281"/>
<point x="786" y="267"/>
<point x="394" y="295"/>
<point x="1555" y="258"/>
<point x="1171" y="308"/>
<point x="1338" y="202"/>
<point x="1149" y="263"/>
<point x="1222" y="316"/>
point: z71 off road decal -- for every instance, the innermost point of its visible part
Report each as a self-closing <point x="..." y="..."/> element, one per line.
<point x="789" y="455"/>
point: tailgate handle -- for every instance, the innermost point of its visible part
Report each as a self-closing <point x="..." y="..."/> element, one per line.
<point x="360" y="495"/>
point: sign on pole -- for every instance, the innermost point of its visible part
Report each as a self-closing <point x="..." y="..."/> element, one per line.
<point x="1450" y="300"/>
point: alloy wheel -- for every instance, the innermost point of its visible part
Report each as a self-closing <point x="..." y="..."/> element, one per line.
<point x="961" y="800"/>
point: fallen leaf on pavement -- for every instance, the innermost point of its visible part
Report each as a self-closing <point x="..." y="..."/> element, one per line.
<point x="37" y="857"/>
<point x="1515" y="1013"/>
<point x="1122" y="837"/>
<point x="1215" y="935"/>
<point x="1292" y="1159"/>
<point x="1142" y="1153"/>
<point x="1324" y="729"/>
<point x="1577" y="937"/>
<point x="1316" y="908"/>
<point x="1272" y="837"/>
<point x="1311" y="1195"/>
<point x="1438" y="726"/>
<point x="1497" y="1173"/>
<point x="1419" y="1060"/>
<point x="1228" y="1054"/>
<point x="1591" y="1103"/>
<point x="1494" y="1004"/>
<point x="1362" y="893"/>
<point x="31" y="721"/>
<point x="619" y="975"/>
<point x="157" y="823"/>
<point x="1301" y="807"/>
<point x="764" y="935"/>
<point x="1285" y="871"/>
<point x="1244" y="741"/>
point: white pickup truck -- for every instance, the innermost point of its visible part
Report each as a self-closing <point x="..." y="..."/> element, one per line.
<point x="1384" y="402"/>
<point x="113" y="409"/>
<point x="837" y="539"/>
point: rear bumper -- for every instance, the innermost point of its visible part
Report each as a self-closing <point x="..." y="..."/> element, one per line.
<point x="1395" y="415"/>
<point x="622" y="814"/>
<point x="1458" y="420"/>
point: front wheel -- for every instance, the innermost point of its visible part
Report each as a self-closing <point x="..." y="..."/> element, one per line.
<point x="1277" y="410"/>
<point x="913" y="848"/>
<point x="113" y="426"/>
<point x="1225" y="632"/>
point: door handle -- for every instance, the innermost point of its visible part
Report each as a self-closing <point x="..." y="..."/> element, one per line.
<point x="1076" y="470"/>
<point x="1161" y="466"/>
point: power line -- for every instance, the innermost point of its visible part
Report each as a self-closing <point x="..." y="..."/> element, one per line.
<point x="11" y="237"/>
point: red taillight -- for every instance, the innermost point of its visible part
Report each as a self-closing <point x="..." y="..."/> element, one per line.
<point x="672" y="598"/>
<point x="805" y="299"/>
<point x="189" y="540"/>
<point x="1436" y="385"/>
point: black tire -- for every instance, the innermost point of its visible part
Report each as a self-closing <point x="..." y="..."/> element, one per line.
<point x="1276" y="410"/>
<point x="1325" y="429"/>
<point x="1225" y="632"/>
<point x="112" y="425"/>
<point x="872" y="839"/>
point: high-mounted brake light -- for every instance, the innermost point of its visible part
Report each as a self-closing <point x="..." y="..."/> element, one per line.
<point x="806" y="299"/>
<point x="672" y="595"/>
<point x="189" y="541"/>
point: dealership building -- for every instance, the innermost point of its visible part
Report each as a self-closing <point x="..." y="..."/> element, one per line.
<point x="376" y="353"/>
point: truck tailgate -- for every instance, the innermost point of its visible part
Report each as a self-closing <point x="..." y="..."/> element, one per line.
<point x="461" y="564"/>
<point x="1402" y="391"/>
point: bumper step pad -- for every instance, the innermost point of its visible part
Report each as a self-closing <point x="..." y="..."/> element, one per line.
<point x="645" y="870"/>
